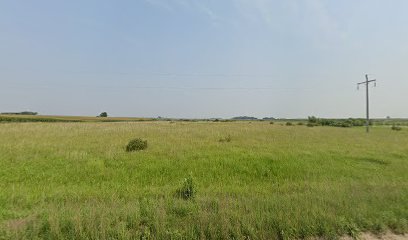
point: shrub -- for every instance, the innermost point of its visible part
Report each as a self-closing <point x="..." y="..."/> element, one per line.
<point x="271" y="123"/>
<point x="351" y="122"/>
<point x="136" y="144"/>
<point x="396" y="128"/>
<point x="341" y="124"/>
<point x="311" y="124"/>
<point x="188" y="189"/>
<point x="300" y="123"/>
<point x="289" y="124"/>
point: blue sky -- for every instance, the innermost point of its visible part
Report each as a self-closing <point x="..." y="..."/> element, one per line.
<point x="203" y="58"/>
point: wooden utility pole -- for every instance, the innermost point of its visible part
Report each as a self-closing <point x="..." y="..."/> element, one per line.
<point x="367" y="82"/>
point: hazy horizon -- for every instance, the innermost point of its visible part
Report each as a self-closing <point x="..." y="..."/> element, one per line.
<point x="204" y="59"/>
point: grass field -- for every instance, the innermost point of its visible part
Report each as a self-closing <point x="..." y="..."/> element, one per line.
<point x="50" y="118"/>
<point x="76" y="181"/>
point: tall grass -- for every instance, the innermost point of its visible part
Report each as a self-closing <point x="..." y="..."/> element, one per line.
<point x="75" y="181"/>
<point x="7" y="118"/>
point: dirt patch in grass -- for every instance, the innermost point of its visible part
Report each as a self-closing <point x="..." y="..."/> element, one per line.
<point x="385" y="236"/>
<point x="18" y="224"/>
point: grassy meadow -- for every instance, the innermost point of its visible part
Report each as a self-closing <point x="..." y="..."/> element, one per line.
<point x="74" y="180"/>
<point x="50" y="118"/>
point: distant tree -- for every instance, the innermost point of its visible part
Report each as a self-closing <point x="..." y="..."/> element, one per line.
<point x="28" y="113"/>
<point x="268" y="118"/>
<point x="20" y="113"/>
<point x="104" y="114"/>
<point x="312" y="119"/>
<point x="244" y="118"/>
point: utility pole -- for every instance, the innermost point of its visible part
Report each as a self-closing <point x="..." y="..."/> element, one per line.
<point x="367" y="82"/>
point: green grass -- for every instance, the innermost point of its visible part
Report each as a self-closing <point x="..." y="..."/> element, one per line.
<point x="76" y="181"/>
<point x="39" y="118"/>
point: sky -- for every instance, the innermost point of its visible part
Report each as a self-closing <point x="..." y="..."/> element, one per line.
<point x="204" y="58"/>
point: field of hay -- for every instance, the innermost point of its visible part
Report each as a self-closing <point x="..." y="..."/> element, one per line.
<point x="73" y="180"/>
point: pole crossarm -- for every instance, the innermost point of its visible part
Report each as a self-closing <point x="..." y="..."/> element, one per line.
<point x="365" y="82"/>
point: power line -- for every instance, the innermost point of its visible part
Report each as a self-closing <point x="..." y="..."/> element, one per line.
<point x="175" y="74"/>
<point x="159" y="87"/>
<point x="82" y="86"/>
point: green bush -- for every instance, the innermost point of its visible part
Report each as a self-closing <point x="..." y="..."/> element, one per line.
<point x="351" y="122"/>
<point x="289" y="124"/>
<point x="271" y="123"/>
<point x="136" y="144"/>
<point x="188" y="189"/>
<point x="342" y="124"/>
<point x="396" y="128"/>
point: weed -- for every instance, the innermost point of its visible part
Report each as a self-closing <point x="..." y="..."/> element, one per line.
<point x="225" y="139"/>
<point x="188" y="189"/>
